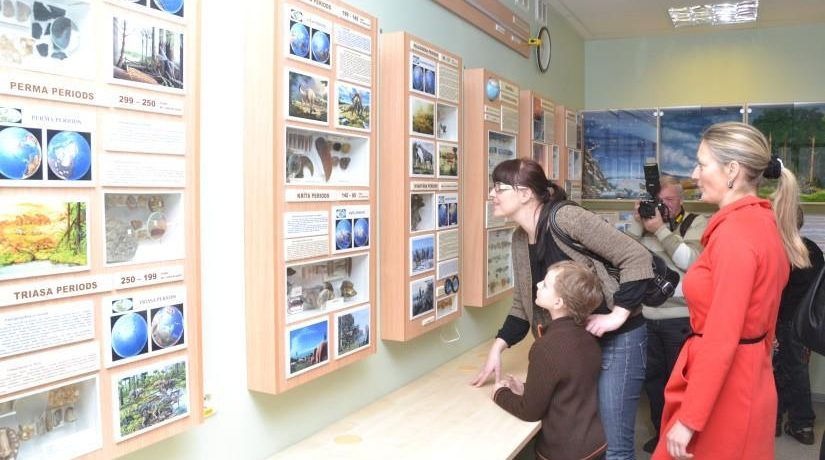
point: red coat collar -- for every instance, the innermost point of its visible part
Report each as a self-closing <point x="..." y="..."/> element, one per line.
<point x="748" y="202"/>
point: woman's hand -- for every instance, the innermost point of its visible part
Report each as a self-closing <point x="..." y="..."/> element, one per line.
<point x="677" y="441"/>
<point x="493" y="364"/>
<point x="599" y="324"/>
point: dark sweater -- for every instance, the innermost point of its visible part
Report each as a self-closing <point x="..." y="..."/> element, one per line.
<point x="799" y="282"/>
<point x="561" y="391"/>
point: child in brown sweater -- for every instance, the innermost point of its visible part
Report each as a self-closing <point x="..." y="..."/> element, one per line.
<point x="563" y="372"/>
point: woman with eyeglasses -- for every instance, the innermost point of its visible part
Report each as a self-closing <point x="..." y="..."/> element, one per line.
<point x="522" y="193"/>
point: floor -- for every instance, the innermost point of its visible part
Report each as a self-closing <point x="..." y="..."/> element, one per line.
<point x="787" y="448"/>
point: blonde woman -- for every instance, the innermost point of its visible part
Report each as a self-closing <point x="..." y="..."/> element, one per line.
<point x="720" y="401"/>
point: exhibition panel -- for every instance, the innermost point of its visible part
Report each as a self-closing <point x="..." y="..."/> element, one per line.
<point x="310" y="202"/>
<point x="100" y="334"/>
<point x="421" y="209"/>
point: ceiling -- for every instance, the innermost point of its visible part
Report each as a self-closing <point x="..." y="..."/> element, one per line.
<point x="608" y="19"/>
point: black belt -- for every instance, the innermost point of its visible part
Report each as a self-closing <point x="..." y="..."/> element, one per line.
<point x="750" y="341"/>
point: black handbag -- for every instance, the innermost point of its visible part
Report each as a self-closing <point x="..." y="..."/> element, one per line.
<point x="660" y="288"/>
<point x="809" y="321"/>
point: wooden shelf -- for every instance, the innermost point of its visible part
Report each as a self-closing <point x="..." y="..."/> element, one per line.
<point x="420" y="179"/>
<point x="491" y="127"/>
<point x="309" y="190"/>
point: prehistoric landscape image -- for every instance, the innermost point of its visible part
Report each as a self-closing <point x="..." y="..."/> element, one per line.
<point x="42" y="238"/>
<point x="146" y="54"/>
<point x="151" y="397"/>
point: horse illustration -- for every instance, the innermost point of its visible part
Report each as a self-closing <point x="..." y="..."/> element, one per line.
<point x="356" y="107"/>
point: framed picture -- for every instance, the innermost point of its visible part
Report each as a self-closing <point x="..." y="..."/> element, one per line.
<point x="307" y="97"/>
<point x="352" y="331"/>
<point x="157" y="67"/>
<point x="422" y="297"/>
<point x="422" y="117"/>
<point x="307" y="346"/>
<point x="422" y="254"/>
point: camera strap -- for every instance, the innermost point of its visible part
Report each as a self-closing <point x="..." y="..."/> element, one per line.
<point x="685" y="225"/>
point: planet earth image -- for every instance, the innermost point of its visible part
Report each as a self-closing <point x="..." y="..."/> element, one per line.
<point x="129" y="334"/>
<point x="20" y="153"/>
<point x="443" y="220"/>
<point x="429" y="81"/>
<point x="69" y="155"/>
<point x="343" y="234"/>
<point x="361" y="232"/>
<point x="320" y="46"/>
<point x="299" y="40"/>
<point x="448" y="287"/>
<point x="493" y="89"/>
<point x="418" y="78"/>
<point x="169" y="6"/>
<point x="167" y="326"/>
<point x="455" y="283"/>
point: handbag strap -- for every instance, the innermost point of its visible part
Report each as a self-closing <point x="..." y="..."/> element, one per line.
<point x="568" y="240"/>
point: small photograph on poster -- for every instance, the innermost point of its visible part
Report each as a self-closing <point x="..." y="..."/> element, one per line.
<point x="538" y="120"/>
<point x="574" y="164"/>
<point x="323" y="158"/>
<point x="308" y="97"/>
<point x="326" y="285"/>
<point x="422" y="75"/>
<point x="144" y="324"/>
<point x="143" y="227"/>
<point x="422" y="117"/>
<point x="499" y="261"/>
<point x="447" y="122"/>
<point x="21" y="153"/>
<point x="307" y="347"/>
<point x="150" y="397"/>
<point x="352" y="227"/>
<point x="171" y="8"/>
<point x="500" y="147"/>
<point x="353" y="105"/>
<point x="447" y="161"/>
<point x="422" y="159"/>
<point x="147" y="55"/>
<point x="42" y="238"/>
<point x="422" y="212"/>
<point x="446" y="306"/>
<point x="540" y="155"/>
<point x="555" y="170"/>
<point x="69" y="155"/>
<point x="422" y="297"/>
<point x="309" y="38"/>
<point x="49" y="36"/>
<point x="352" y="331"/>
<point x="422" y="254"/>
<point x="447" y="210"/>
<point x="56" y="422"/>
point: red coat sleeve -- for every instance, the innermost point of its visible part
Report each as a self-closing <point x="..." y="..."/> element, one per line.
<point x="733" y="265"/>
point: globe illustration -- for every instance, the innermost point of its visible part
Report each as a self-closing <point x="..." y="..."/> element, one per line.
<point x="170" y="6"/>
<point x="19" y="153"/>
<point x="442" y="215"/>
<point x="492" y="89"/>
<point x="361" y="232"/>
<point x="299" y="39"/>
<point x="69" y="155"/>
<point x="455" y="283"/>
<point x="129" y="335"/>
<point x="320" y="46"/>
<point x="429" y="81"/>
<point x="418" y="78"/>
<point x="448" y="287"/>
<point x="167" y="326"/>
<point x="343" y="234"/>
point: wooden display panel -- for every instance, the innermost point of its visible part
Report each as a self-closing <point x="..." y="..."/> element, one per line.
<point x="100" y="323"/>
<point x="491" y="132"/>
<point x="421" y="210"/>
<point x="538" y="122"/>
<point x="571" y="158"/>
<point x="310" y="155"/>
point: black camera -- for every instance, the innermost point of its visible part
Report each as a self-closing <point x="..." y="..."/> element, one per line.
<point x="647" y="208"/>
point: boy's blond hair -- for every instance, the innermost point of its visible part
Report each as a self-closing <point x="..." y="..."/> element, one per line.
<point x="578" y="287"/>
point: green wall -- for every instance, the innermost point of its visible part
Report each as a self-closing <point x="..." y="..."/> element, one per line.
<point x="249" y="425"/>
<point x="730" y="67"/>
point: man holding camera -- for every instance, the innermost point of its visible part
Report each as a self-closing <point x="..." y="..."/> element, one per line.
<point x="663" y="226"/>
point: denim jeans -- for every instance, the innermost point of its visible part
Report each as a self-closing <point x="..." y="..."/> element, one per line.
<point x="620" y="384"/>
<point x="664" y="341"/>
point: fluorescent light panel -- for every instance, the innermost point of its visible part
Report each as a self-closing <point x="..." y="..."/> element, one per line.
<point x="721" y="13"/>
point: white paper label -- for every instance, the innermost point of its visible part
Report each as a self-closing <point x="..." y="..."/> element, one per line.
<point x="344" y="36"/>
<point x="308" y="223"/>
<point x="138" y="170"/>
<point x="123" y="98"/>
<point x="354" y="67"/>
<point x="145" y="136"/>
<point x="448" y="83"/>
<point x="303" y="195"/>
<point x="447" y="244"/>
<point x="51" y="289"/>
<point x="33" y="329"/>
<point x="48" y="366"/>
<point x="147" y="277"/>
<point x="303" y="248"/>
<point x="50" y="88"/>
<point x="492" y="114"/>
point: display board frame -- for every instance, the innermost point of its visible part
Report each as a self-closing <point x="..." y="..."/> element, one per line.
<point x="117" y="187"/>
<point x="310" y="201"/>
<point x="487" y="118"/>
<point x="421" y="206"/>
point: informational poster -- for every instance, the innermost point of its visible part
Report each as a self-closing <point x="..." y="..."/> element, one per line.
<point x="137" y="134"/>
<point x="44" y="367"/>
<point x="449" y="87"/>
<point x="499" y="261"/>
<point x="24" y="331"/>
<point x="141" y="170"/>
<point x="509" y="119"/>
<point x="448" y="244"/>
<point x="353" y="67"/>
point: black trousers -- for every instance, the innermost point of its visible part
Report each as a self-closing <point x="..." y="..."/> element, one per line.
<point x="793" y="384"/>
<point x="665" y="338"/>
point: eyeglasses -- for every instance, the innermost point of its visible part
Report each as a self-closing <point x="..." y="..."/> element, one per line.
<point x="499" y="187"/>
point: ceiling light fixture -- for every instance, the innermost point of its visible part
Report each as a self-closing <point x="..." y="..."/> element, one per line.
<point x="721" y="13"/>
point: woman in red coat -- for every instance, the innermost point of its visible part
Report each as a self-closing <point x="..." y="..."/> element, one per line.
<point x="720" y="401"/>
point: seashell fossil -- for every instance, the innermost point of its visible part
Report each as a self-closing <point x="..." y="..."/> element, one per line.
<point x="347" y="289"/>
<point x="326" y="294"/>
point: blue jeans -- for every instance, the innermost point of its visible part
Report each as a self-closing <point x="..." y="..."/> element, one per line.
<point x="624" y="359"/>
